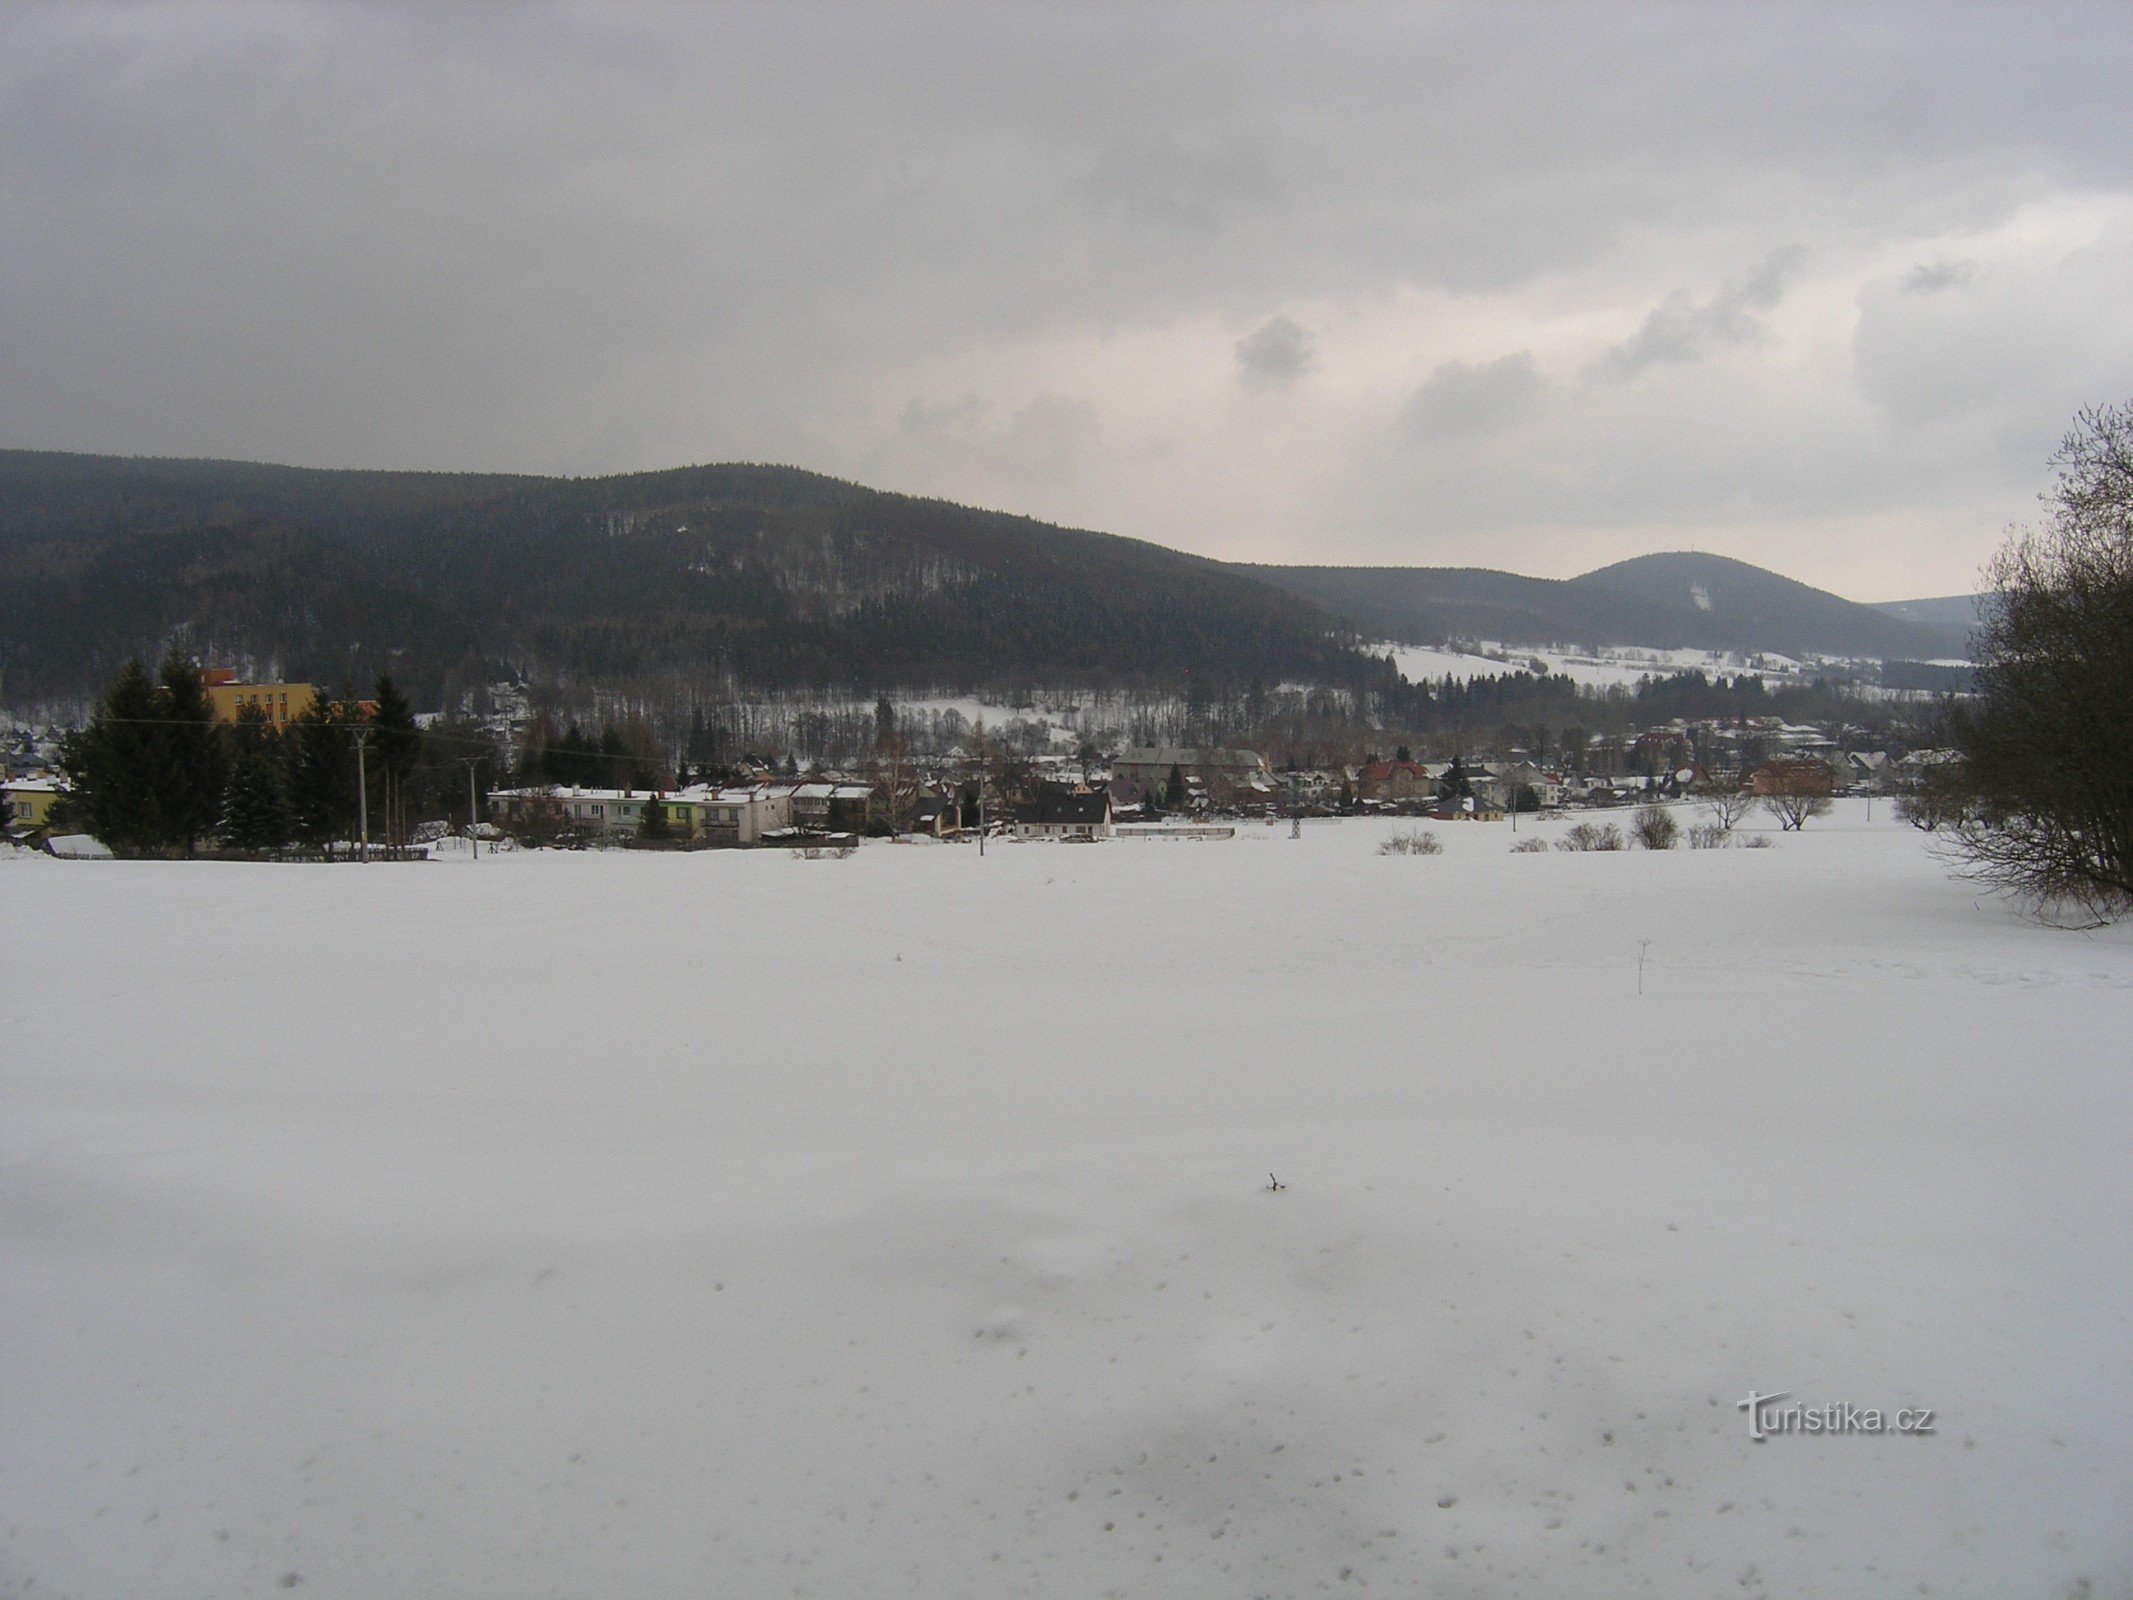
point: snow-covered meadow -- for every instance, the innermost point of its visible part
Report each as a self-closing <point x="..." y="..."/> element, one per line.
<point x="1621" y="668"/>
<point x="730" y="1224"/>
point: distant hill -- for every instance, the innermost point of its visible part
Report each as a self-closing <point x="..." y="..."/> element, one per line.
<point x="1680" y="599"/>
<point x="765" y="576"/>
<point x="1958" y="612"/>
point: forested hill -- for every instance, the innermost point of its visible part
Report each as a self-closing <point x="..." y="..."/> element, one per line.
<point x="778" y="577"/>
<point x="1678" y="598"/>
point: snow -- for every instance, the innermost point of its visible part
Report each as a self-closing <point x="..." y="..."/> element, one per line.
<point x="1620" y="667"/>
<point x="676" y="1225"/>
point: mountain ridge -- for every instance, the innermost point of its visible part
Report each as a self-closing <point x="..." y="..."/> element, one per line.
<point x="766" y="576"/>
<point x="1668" y="599"/>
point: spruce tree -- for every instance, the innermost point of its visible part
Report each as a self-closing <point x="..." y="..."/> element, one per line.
<point x="394" y="748"/>
<point x="652" y="824"/>
<point x="192" y="761"/>
<point x="614" y="766"/>
<point x="321" y="767"/>
<point x="111" y="766"/>
<point x="255" y="800"/>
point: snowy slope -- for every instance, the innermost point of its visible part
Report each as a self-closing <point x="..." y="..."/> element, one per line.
<point x="1607" y="669"/>
<point x="737" y="1225"/>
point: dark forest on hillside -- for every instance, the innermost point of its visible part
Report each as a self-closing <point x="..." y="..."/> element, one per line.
<point x="762" y="577"/>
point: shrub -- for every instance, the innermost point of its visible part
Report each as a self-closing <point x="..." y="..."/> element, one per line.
<point x="1707" y="836"/>
<point x="1760" y="841"/>
<point x="1530" y="847"/>
<point x="1591" y="836"/>
<point x="1423" y="843"/>
<point x="1654" y="827"/>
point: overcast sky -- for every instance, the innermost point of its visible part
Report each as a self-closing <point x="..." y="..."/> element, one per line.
<point x="1534" y="287"/>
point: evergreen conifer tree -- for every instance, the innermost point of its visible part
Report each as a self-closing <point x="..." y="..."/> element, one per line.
<point x="255" y="799"/>
<point x="394" y="749"/>
<point x="192" y="762"/>
<point x="111" y="766"/>
<point x="653" y="826"/>
<point x="321" y="768"/>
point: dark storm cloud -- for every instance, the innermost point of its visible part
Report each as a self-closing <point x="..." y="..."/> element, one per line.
<point x="595" y="237"/>
<point x="1933" y="276"/>
<point x="1275" y="356"/>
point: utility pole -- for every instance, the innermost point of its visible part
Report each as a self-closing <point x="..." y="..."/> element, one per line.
<point x="362" y="738"/>
<point x="473" y="811"/>
<point x="1296" y="816"/>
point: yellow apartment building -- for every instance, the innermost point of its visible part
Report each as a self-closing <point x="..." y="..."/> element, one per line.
<point x="281" y="703"/>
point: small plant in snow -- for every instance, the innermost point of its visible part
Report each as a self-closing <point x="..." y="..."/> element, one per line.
<point x="1708" y="836"/>
<point x="1423" y="843"/>
<point x="1530" y="847"/>
<point x="1592" y="836"/>
<point x="1654" y="827"/>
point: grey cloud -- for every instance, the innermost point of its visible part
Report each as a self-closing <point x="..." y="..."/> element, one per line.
<point x="1931" y="277"/>
<point x="1684" y="329"/>
<point x="1461" y="400"/>
<point x="572" y="236"/>
<point x="1275" y="356"/>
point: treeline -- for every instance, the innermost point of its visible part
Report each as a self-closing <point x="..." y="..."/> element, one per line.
<point x="155" y="774"/>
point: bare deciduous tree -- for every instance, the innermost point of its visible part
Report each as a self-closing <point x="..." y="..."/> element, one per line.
<point x="1793" y="792"/>
<point x="1726" y="807"/>
<point x="2046" y="767"/>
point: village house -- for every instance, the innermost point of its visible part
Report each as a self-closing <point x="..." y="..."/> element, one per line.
<point x="27" y="803"/>
<point x="738" y="815"/>
<point x="1064" y="812"/>
<point x="1399" y="780"/>
<point x="939" y="815"/>
<point x="1222" y="775"/>
<point x="827" y="807"/>
<point x="1808" y="775"/>
<point x="609" y="812"/>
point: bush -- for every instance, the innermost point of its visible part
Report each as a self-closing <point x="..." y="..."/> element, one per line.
<point x="1591" y="836"/>
<point x="1760" y="841"/>
<point x="1530" y="847"/>
<point x="1654" y="827"/>
<point x="1423" y="843"/>
<point x="1708" y="836"/>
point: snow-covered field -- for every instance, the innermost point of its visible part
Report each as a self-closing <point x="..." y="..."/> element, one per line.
<point x="734" y="1225"/>
<point x="1622" y="668"/>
